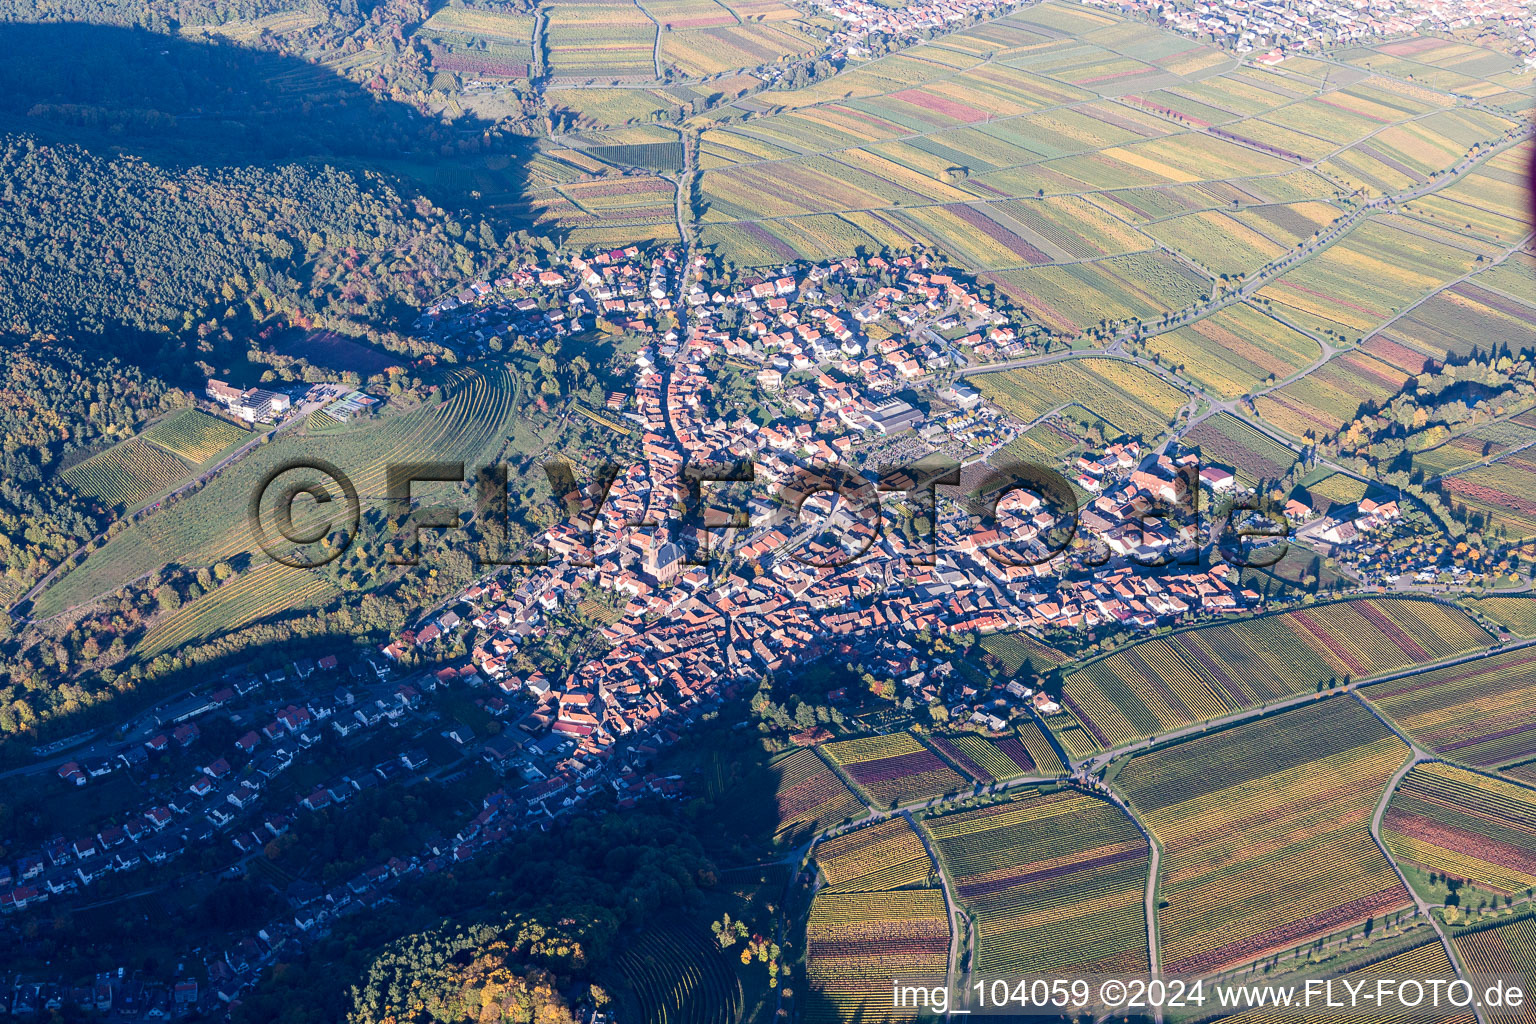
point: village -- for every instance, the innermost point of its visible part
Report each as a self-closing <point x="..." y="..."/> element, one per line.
<point x="855" y="369"/>
<point x="1279" y="29"/>
<point x="853" y="362"/>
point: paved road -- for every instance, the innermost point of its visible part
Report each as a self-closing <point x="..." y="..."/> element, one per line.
<point x="950" y="910"/>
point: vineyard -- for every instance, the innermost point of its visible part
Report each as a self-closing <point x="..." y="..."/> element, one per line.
<point x="1265" y="829"/>
<point x="1508" y="949"/>
<point x="1014" y="650"/>
<point x="195" y="436"/>
<point x="1526" y="773"/>
<point x="894" y="769"/>
<point x="1225" y="440"/>
<point x="1503" y="493"/>
<point x="661" y="156"/>
<point x="1235" y="350"/>
<point x="1455" y="322"/>
<point x="1381" y="266"/>
<point x="1426" y="961"/>
<point x="1134" y="400"/>
<point x="497" y="44"/>
<point x="987" y="760"/>
<point x="857" y="942"/>
<point x="1056" y="882"/>
<point x="1069" y="299"/>
<point x="886" y="855"/>
<point x="126" y="473"/>
<point x="1038" y="746"/>
<point x="808" y="797"/>
<point x="1465" y="826"/>
<point x="471" y="420"/>
<point x="267" y="590"/>
<point x="1330" y="396"/>
<point x="678" y="975"/>
<point x="1157" y="685"/>
<point x="1481" y="713"/>
<point x="604" y="40"/>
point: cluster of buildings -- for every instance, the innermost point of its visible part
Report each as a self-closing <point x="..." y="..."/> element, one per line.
<point x="110" y="996"/>
<point x="862" y="19"/>
<point x="1349" y="524"/>
<point x="253" y="405"/>
<point x="1279" y="28"/>
<point x="192" y="795"/>
<point x="628" y="289"/>
<point x="794" y="322"/>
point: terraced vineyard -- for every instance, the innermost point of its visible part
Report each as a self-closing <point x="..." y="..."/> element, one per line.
<point x="1265" y="829"/>
<point x="1481" y="713"/>
<point x="195" y="436"/>
<point x="886" y="855"/>
<point x="1158" y="685"/>
<point x="856" y="942"/>
<point x="1464" y="825"/>
<point x="894" y="769"/>
<point x="1056" y="882"/>
<point x="679" y="975"/>
<point x="1506" y="949"/>
<point x="126" y="473"/>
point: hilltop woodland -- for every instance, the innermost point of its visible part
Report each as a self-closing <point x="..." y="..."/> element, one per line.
<point x="320" y="30"/>
<point x="1437" y="404"/>
<point x="170" y="196"/>
<point x="167" y="209"/>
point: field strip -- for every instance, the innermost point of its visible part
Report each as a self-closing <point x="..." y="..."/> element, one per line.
<point x="1406" y="310"/>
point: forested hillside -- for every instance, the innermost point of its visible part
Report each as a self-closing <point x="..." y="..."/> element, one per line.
<point x="190" y="259"/>
<point x="149" y="13"/>
<point x="174" y="194"/>
<point x="55" y="407"/>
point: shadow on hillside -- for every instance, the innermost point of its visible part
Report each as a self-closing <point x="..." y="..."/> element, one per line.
<point x="179" y="102"/>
